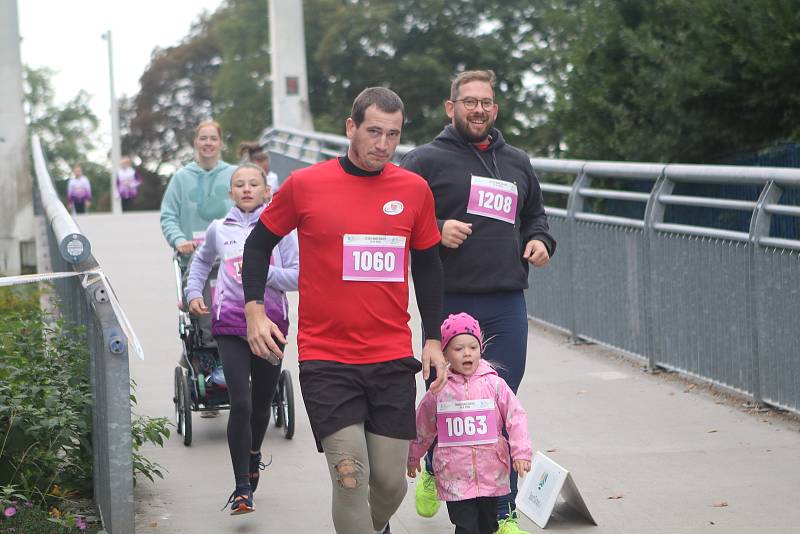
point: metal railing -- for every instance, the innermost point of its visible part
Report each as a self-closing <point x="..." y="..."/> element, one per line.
<point x="83" y="300"/>
<point x="715" y="303"/>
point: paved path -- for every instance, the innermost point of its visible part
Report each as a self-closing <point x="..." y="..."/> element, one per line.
<point x="672" y="453"/>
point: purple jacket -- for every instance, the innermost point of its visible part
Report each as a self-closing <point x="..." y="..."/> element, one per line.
<point x="128" y="183"/>
<point x="467" y="471"/>
<point x="79" y="189"/>
<point x="225" y="240"/>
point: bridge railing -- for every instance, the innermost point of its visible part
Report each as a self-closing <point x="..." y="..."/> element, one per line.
<point x="714" y="302"/>
<point x="84" y="300"/>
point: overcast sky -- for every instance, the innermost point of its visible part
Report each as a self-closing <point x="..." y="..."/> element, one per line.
<point x="66" y="36"/>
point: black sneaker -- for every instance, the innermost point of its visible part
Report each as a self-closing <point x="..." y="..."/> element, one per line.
<point x="256" y="465"/>
<point x="241" y="500"/>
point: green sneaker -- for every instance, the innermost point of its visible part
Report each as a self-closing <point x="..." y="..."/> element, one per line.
<point x="509" y="525"/>
<point x="425" y="496"/>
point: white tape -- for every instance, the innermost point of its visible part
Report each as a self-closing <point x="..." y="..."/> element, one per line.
<point x="88" y="278"/>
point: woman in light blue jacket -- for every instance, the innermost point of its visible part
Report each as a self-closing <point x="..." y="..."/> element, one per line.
<point x="251" y="380"/>
<point x="197" y="193"/>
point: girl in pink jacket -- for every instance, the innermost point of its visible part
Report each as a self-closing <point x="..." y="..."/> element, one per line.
<point x="471" y="457"/>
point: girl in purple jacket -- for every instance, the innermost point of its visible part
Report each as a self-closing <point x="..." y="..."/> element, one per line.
<point x="471" y="457"/>
<point x="251" y="380"/>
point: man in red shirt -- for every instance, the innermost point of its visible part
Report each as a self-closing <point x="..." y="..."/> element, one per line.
<point x="359" y="219"/>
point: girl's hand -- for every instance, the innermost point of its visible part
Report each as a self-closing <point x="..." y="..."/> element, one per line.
<point x="522" y="467"/>
<point x="413" y="470"/>
<point x="198" y="307"/>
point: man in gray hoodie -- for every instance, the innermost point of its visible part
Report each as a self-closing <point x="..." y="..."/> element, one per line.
<point x="491" y="216"/>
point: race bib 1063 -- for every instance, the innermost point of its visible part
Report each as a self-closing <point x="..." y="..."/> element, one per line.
<point x="470" y="422"/>
<point x="496" y="199"/>
<point x="373" y="258"/>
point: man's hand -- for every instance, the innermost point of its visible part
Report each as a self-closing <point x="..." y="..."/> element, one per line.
<point x="522" y="467"/>
<point x="186" y="248"/>
<point x="536" y="253"/>
<point x="260" y="331"/>
<point x="413" y="470"/>
<point x="432" y="355"/>
<point x="455" y="232"/>
<point x="198" y="307"/>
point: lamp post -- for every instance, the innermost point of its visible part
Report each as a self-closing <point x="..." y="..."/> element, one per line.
<point x="116" y="204"/>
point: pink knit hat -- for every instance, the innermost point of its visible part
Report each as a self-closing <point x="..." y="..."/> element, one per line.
<point x="462" y="323"/>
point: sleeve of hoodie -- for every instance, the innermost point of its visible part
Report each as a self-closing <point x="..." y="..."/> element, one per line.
<point x="285" y="278"/>
<point x="534" y="219"/>
<point x="412" y="162"/>
<point x="202" y="263"/>
<point x="170" y="213"/>
<point x="516" y="420"/>
<point x="426" y="429"/>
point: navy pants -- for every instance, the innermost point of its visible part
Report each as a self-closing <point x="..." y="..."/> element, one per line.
<point x="504" y="321"/>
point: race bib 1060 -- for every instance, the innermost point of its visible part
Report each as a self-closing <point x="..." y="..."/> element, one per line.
<point x="373" y="258"/>
<point x="496" y="199"/>
<point x="471" y="422"/>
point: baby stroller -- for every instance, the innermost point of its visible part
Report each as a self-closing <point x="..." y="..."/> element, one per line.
<point x="199" y="380"/>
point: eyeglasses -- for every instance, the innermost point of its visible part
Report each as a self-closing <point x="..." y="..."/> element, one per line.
<point x="471" y="103"/>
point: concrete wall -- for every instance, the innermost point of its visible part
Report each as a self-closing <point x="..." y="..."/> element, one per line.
<point x="16" y="182"/>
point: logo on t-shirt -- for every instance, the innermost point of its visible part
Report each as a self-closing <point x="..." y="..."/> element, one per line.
<point x="393" y="207"/>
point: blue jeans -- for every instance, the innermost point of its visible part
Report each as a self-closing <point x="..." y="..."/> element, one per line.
<point x="504" y="321"/>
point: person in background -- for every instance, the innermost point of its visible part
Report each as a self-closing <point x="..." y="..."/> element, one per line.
<point x="466" y="420"/>
<point x="128" y="183"/>
<point x="197" y="193"/>
<point x="79" y="191"/>
<point x="490" y="212"/>
<point x="255" y="153"/>
<point x="359" y="220"/>
<point x="251" y="379"/>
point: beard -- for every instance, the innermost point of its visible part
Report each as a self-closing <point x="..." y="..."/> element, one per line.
<point x="465" y="128"/>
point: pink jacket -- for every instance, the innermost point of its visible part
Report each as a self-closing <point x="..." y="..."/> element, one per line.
<point x="469" y="471"/>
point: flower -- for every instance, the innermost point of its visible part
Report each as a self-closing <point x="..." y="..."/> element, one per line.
<point x="10" y="511"/>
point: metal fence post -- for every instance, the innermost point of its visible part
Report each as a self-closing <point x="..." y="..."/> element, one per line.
<point x="574" y="205"/>
<point x="653" y="212"/>
<point x="759" y="227"/>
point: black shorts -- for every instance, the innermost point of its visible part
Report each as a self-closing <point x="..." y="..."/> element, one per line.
<point x="381" y="395"/>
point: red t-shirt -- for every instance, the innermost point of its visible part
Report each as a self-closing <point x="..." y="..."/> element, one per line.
<point x="353" y="321"/>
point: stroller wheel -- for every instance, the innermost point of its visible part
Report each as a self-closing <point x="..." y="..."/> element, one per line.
<point x="277" y="411"/>
<point x="201" y="385"/>
<point x="186" y="386"/>
<point x="286" y="389"/>
<point x="177" y="399"/>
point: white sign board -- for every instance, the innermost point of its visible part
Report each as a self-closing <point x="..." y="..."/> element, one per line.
<point x="542" y="487"/>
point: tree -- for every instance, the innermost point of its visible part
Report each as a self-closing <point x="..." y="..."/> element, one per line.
<point x="176" y="94"/>
<point x="67" y="133"/>
<point x="672" y="80"/>
<point x="415" y="47"/>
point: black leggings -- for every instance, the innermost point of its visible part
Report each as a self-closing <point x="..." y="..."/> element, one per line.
<point x="251" y="385"/>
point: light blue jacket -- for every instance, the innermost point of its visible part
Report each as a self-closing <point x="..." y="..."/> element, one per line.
<point x="194" y="198"/>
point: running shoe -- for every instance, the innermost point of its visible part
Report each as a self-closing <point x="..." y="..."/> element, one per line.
<point x="256" y="465"/>
<point x="425" y="496"/>
<point x="241" y="500"/>
<point x="509" y="525"/>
